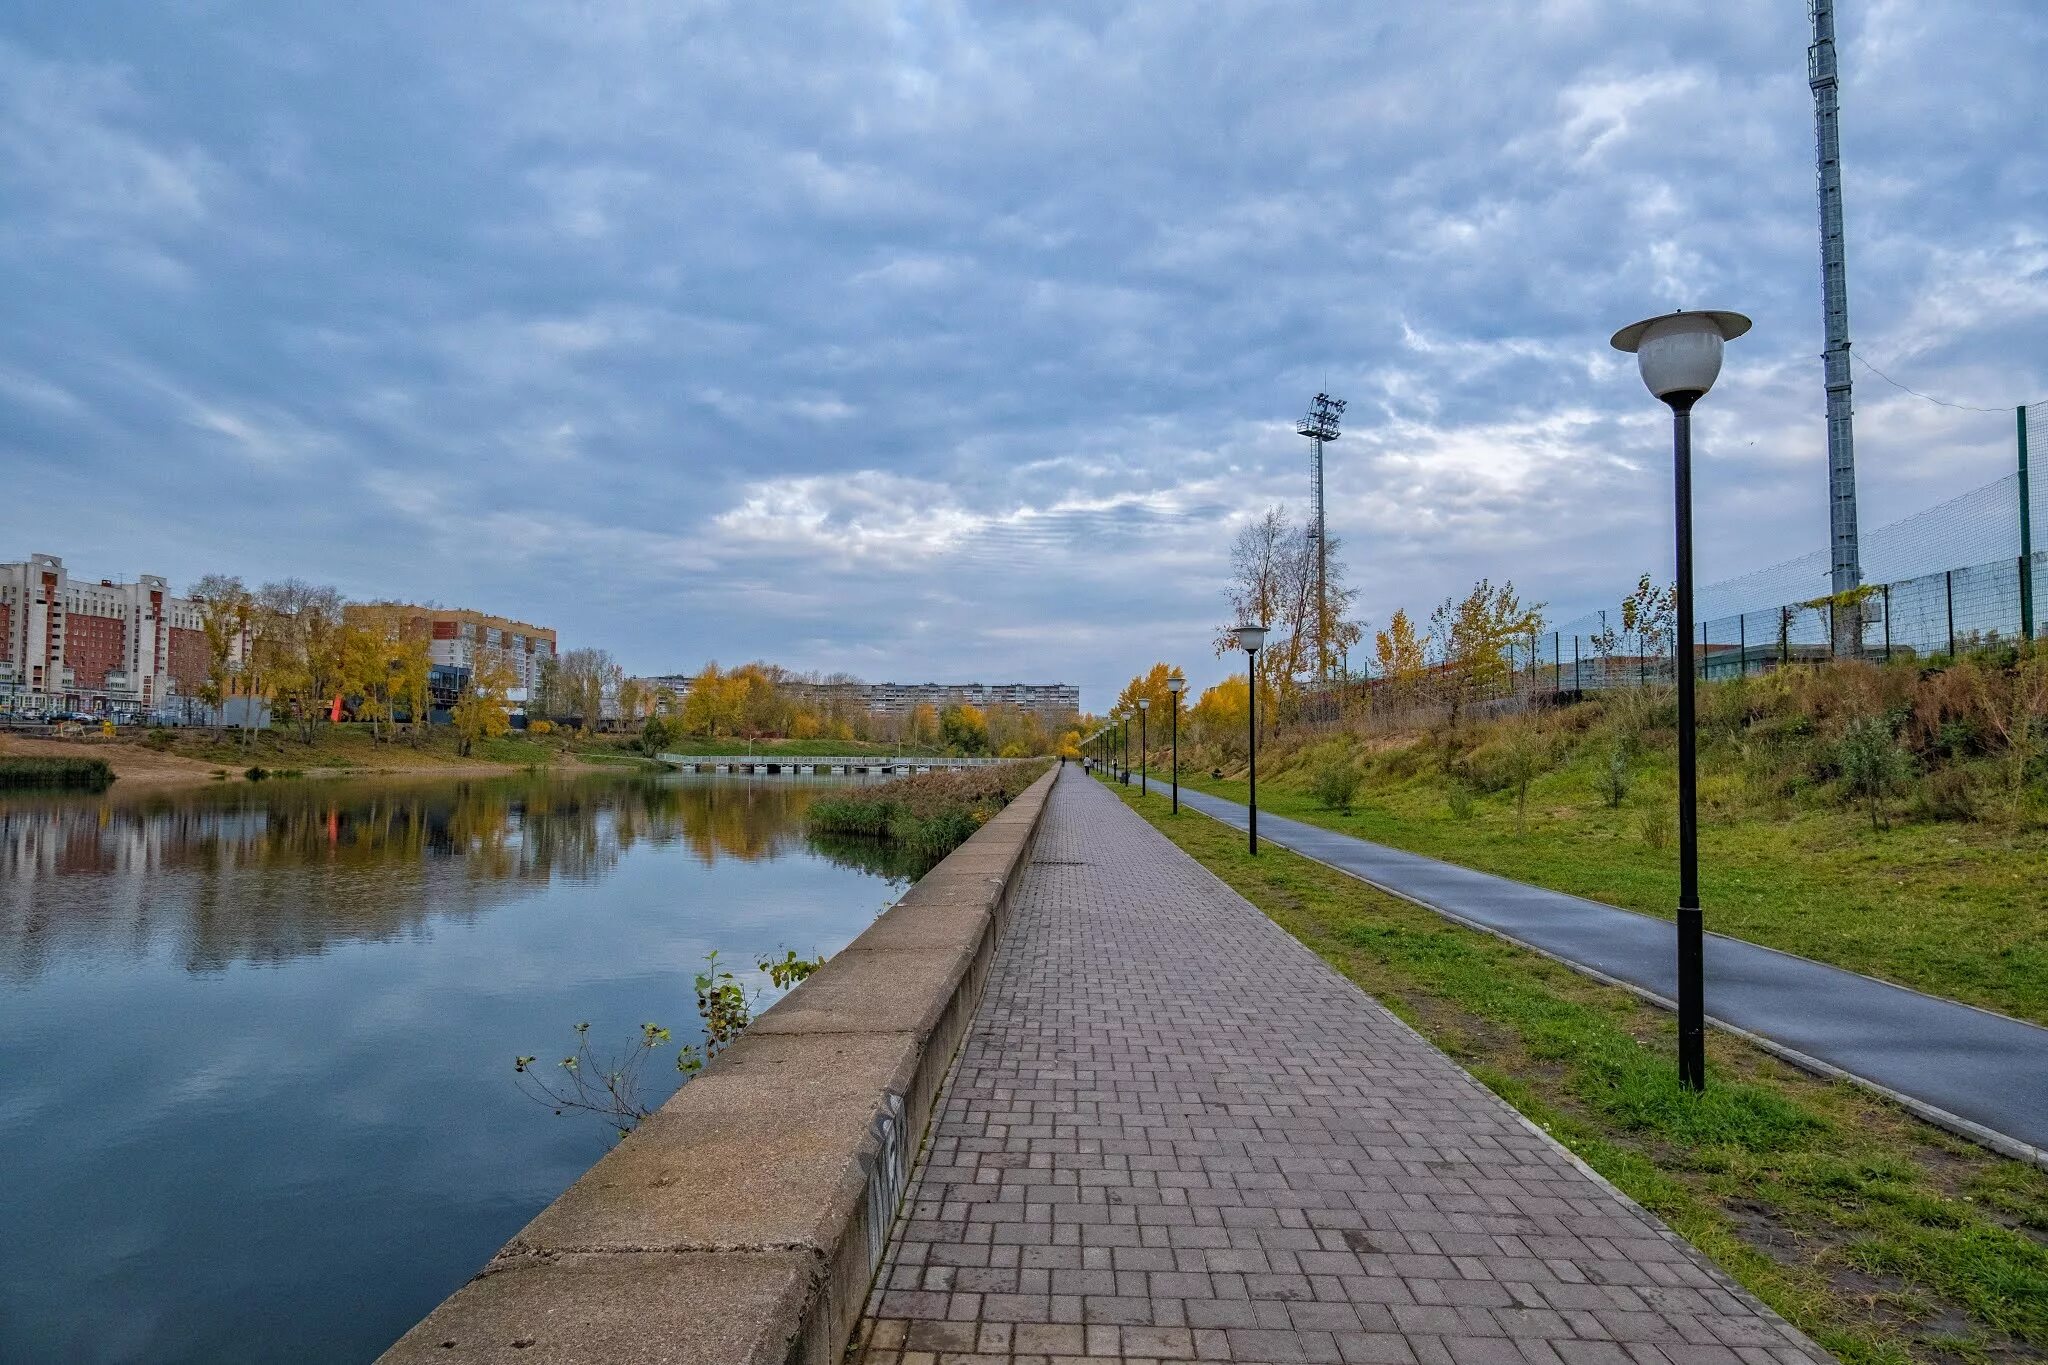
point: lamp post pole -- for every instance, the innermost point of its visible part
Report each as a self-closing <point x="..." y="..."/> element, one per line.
<point x="1127" y="751"/>
<point x="1174" y="684"/>
<point x="1144" y="745"/>
<point x="1249" y="638"/>
<point x="1252" y="744"/>
<point x="1692" y="1024"/>
<point x="1679" y="357"/>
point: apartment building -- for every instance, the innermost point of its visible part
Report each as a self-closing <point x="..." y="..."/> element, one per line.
<point x="457" y="634"/>
<point x="75" y="644"/>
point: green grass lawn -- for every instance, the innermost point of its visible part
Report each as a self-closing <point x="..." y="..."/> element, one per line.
<point x="1884" y="1238"/>
<point x="1953" y="908"/>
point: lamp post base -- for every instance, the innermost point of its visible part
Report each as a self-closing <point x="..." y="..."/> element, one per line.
<point x="1692" y="1015"/>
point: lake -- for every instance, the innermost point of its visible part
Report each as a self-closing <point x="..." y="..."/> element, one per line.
<point x="257" y="1099"/>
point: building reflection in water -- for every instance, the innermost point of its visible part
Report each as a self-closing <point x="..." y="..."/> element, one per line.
<point x="218" y="876"/>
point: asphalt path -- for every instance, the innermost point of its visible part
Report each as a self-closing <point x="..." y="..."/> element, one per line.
<point x="1968" y="1068"/>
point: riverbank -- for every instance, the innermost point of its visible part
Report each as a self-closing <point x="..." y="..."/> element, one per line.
<point x="195" y="757"/>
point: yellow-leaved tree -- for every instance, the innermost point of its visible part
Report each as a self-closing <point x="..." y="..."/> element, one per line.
<point x="483" y="711"/>
<point x="1473" y="635"/>
<point x="1402" y="654"/>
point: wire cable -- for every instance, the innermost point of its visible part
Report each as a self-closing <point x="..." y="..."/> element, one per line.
<point x="1942" y="402"/>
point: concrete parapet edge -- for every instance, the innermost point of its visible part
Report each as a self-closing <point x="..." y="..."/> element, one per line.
<point x="746" y="1219"/>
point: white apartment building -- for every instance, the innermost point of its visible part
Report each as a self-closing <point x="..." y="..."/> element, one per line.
<point x="93" y="645"/>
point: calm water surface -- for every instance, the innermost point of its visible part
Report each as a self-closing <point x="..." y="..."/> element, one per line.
<point x="256" y="1097"/>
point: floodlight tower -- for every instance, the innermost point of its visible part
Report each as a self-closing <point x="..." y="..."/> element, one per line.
<point x="1324" y="413"/>
<point x="1820" y="74"/>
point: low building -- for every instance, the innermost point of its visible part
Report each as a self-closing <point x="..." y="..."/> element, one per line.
<point x="99" y="645"/>
<point x="1053" y="703"/>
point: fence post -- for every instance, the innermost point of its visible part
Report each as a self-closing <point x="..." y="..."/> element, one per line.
<point x="1577" y="684"/>
<point x="1834" y="645"/>
<point x="1784" y="637"/>
<point x="1948" y="579"/>
<point x="1556" y="663"/>
<point x="1887" y="623"/>
<point x="2026" y="538"/>
<point x="1703" y="671"/>
<point x="1742" y="645"/>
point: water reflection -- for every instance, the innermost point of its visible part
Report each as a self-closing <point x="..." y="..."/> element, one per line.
<point x="218" y="876"/>
<point x="256" y="1041"/>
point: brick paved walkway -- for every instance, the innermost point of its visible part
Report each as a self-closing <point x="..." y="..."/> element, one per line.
<point x="1175" y="1134"/>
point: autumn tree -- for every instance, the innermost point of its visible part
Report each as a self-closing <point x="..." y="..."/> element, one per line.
<point x="301" y="634"/>
<point x="1473" y="635"/>
<point x="1273" y="584"/>
<point x="227" y="611"/>
<point x="1402" y="654"/>
<point x="1222" y="715"/>
<point x="964" y="728"/>
<point x="634" y="700"/>
<point x="483" y="710"/>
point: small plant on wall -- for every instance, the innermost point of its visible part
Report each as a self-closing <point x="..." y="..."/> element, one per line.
<point x="613" y="1086"/>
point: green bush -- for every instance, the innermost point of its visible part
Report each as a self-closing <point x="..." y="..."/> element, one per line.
<point x="930" y="814"/>
<point x="1334" y="780"/>
<point x="1616" y="773"/>
<point x="1459" y="795"/>
<point x="1872" y="765"/>
<point x="63" y="774"/>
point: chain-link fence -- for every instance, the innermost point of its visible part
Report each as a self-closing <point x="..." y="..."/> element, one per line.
<point x="1917" y="604"/>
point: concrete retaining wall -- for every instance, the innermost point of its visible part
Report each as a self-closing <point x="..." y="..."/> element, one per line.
<point x="744" y="1220"/>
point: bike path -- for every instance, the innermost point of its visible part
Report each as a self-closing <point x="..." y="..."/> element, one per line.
<point x="1969" y="1069"/>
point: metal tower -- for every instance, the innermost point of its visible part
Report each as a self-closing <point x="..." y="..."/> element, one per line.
<point x="1820" y="74"/>
<point x="1324" y="413"/>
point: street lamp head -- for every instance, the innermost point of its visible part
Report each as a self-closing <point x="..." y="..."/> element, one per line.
<point x="1176" y="684"/>
<point x="1249" y="637"/>
<point x="1679" y="354"/>
<point x="1144" y="703"/>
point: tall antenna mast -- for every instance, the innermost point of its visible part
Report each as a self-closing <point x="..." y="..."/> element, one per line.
<point x="1324" y="413"/>
<point x="1820" y="74"/>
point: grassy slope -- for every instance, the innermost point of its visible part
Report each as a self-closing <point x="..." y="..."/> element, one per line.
<point x="1955" y="909"/>
<point x="1885" y="1239"/>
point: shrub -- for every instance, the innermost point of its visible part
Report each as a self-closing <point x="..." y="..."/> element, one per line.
<point x="160" y="739"/>
<point x="1459" y="795"/>
<point x="1872" y="764"/>
<point x="657" y="734"/>
<point x="1335" y="782"/>
<point x="75" y="774"/>
<point x="930" y="814"/>
<point x="1654" y="820"/>
<point x="540" y="727"/>
<point x="1948" y="794"/>
<point x="1525" y="756"/>
<point x="1616" y="773"/>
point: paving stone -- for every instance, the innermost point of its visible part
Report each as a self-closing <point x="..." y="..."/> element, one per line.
<point x="1173" y="1133"/>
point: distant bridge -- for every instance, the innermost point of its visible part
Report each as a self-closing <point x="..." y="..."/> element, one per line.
<point x="804" y="763"/>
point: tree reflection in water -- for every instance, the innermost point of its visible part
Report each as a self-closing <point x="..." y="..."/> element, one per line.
<point x="267" y="873"/>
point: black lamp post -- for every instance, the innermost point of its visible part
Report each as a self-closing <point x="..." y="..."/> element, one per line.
<point x="1175" y="684"/>
<point x="1679" y="357"/>
<point x="1126" y="778"/>
<point x="1249" y="638"/>
<point x="1144" y="744"/>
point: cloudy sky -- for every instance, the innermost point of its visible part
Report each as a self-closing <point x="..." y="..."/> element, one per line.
<point x="954" y="341"/>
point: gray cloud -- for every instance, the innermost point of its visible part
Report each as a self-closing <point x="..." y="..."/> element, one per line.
<point x="936" y="341"/>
